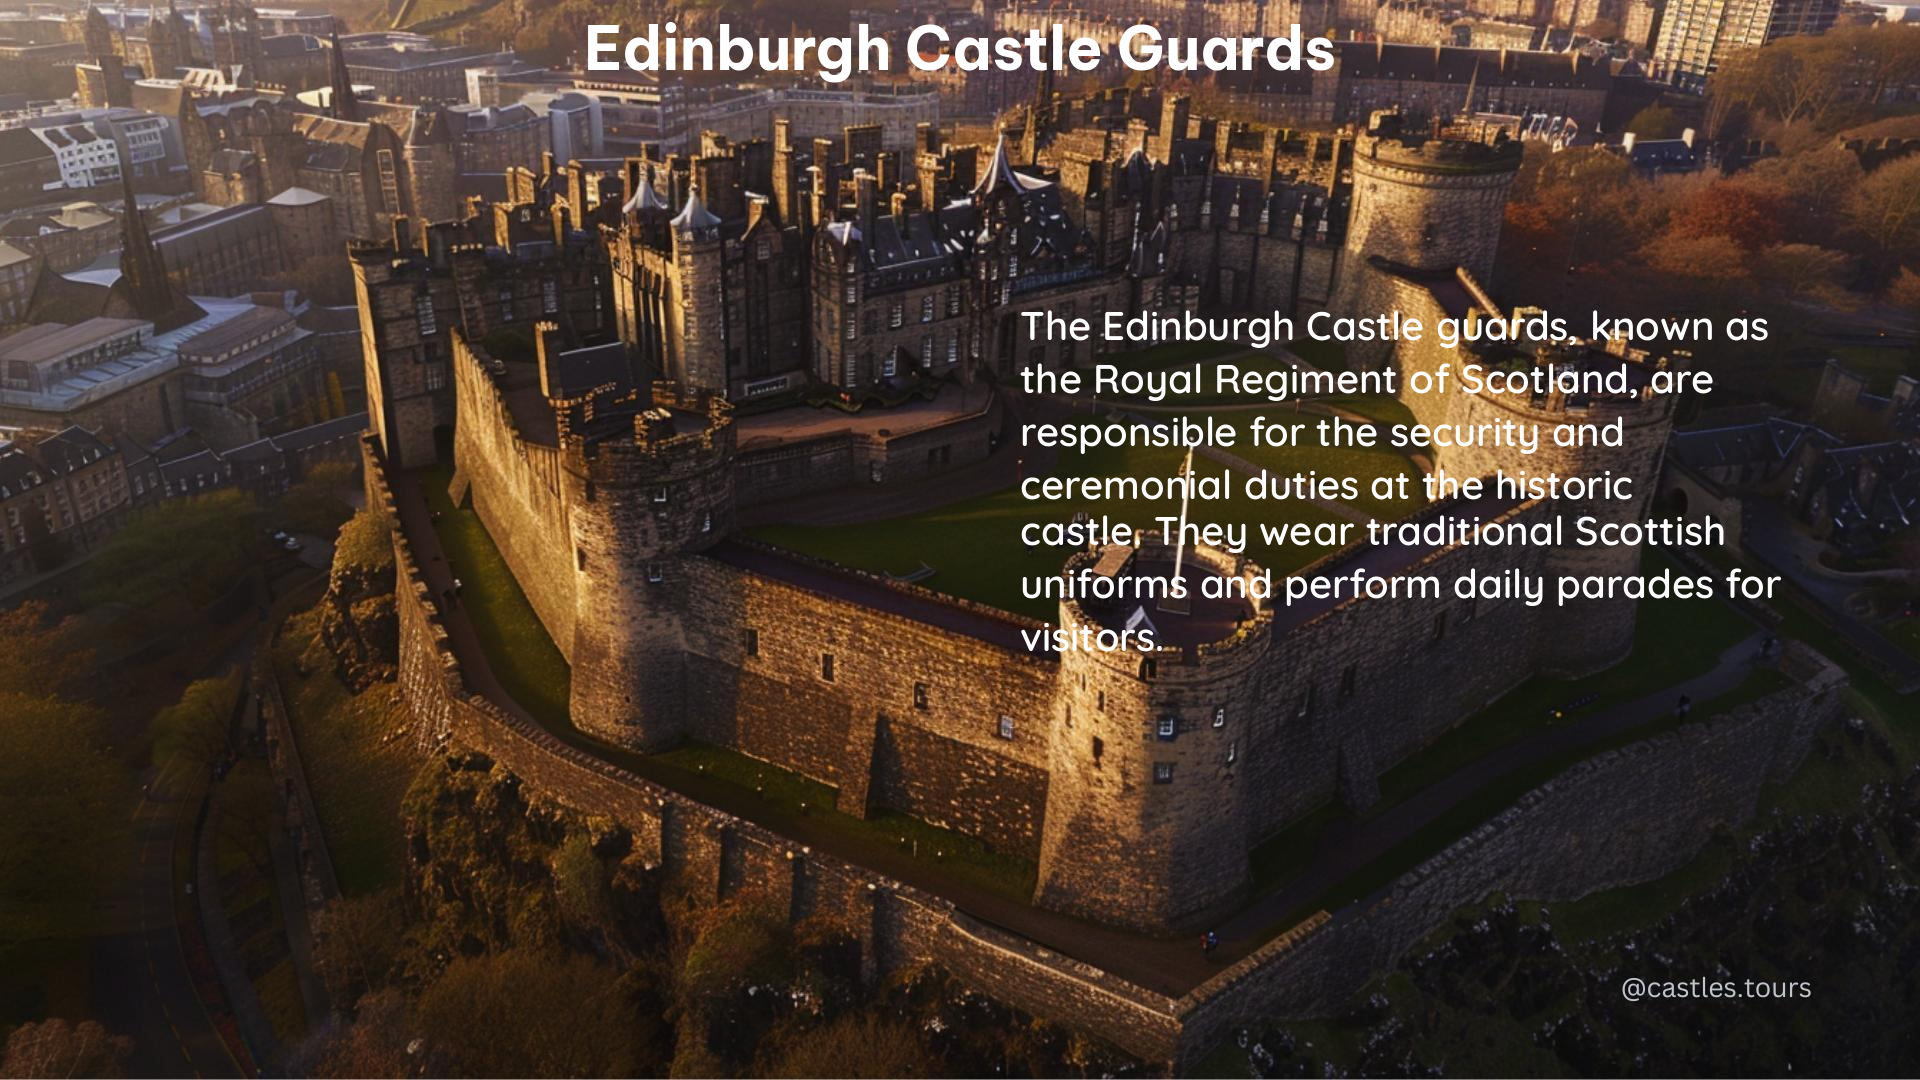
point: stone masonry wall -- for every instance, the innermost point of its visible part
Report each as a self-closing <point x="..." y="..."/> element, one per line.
<point x="1617" y="819"/>
<point x="1620" y="818"/>
<point x="517" y="493"/>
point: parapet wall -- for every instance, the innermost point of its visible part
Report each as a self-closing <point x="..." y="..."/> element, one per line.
<point x="1620" y="818"/>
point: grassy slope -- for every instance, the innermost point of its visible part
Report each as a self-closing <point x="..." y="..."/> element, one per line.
<point x="357" y="760"/>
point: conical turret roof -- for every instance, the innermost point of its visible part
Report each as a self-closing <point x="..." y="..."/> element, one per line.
<point x="695" y="215"/>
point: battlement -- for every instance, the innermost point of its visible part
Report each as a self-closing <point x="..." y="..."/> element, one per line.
<point x="1390" y="140"/>
<point x="1186" y="632"/>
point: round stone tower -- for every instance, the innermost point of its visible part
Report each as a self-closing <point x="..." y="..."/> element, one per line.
<point x="1143" y="824"/>
<point x="638" y="499"/>
<point x="1591" y="634"/>
<point x="1424" y="202"/>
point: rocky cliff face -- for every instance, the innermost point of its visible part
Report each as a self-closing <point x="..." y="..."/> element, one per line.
<point x="357" y="615"/>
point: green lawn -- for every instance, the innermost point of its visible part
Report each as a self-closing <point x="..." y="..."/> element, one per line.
<point x="537" y="676"/>
<point x="1674" y="640"/>
<point x="1490" y="800"/>
<point x="1363" y="463"/>
<point x="532" y="670"/>
<point x="974" y="546"/>
<point x="789" y="795"/>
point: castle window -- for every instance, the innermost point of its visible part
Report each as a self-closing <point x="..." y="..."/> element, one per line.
<point x="753" y="641"/>
<point x="920" y="696"/>
<point x="436" y="376"/>
<point x="1306" y="705"/>
<point x="852" y="328"/>
<point x="826" y="666"/>
<point x="1163" y="772"/>
<point x="953" y="349"/>
<point x="656" y="573"/>
<point x="1005" y="728"/>
<point x="423" y="314"/>
<point x="1219" y="716"/>
<point x="1348" y="680"/>
<point x="1147" y="668"/>
<point x="1100" y="701"/>
<point x="1169" y="727"/>
<point x="1439" y="627"/>
<point x="1233" y="752"/>
<point x="589" y="491"/>
<point x="660" y="495"/>
<point x="926" y="308"/>
<point x="1099" y="751"/>
<point x="895" y="316"/>
<point x="580" y="558"/>
<point x="953" y="299"/>
<point x="706" y="523"/>
<point x="889" y="366"/>
<point x="853" y="289"/>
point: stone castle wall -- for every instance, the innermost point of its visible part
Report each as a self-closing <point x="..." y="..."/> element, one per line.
<point x="1620" y="818"/>
<point x="517" y="491"/>
<point x="858" y="460"/>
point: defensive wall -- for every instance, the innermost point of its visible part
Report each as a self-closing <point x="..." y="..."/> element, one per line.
<point x="1620" y="818"/>
<point x="1138" y="781"/>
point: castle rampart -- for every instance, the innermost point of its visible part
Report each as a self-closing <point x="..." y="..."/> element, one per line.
<point x="1620" y="818"/>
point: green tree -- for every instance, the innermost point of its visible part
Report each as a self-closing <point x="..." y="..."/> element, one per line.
<point x="532" y="1012"/>
<point x="197" y="729"/>
<point x="184" y="550"/>
<point x="1656" y="122"/>
<point x="1885" y="208"/>
<point x="64" y="830"/>
<point x="57" y="1048"/>
<point x="361" y="943"/>
<point x="854" y="1047"/>
<point x="43" y="658"/>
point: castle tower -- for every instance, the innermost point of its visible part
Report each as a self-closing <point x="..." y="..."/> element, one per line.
<point x="699" y="309"/>
<point x="638" y="501"/>
<point x="1420" y="202"/>
<point x="1144" y="825"/>
<point x="1590" y="634"/>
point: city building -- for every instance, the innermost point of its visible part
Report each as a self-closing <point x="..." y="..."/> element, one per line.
<point x="1697" y="36"/>
<point x="61" y="493"/>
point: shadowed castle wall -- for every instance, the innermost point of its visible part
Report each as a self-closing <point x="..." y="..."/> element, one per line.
<point x="1618" y="819"/>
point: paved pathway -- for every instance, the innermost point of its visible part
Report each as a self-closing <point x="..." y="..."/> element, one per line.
<point x="1170" y="966"/>
<point x="141" y="979"/>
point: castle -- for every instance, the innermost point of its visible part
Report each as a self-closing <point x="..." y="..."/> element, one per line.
<point x="1137" y="781"/>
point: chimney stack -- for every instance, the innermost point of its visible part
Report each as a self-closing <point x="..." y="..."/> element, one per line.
<point x="866" y="192"/>
<point x="546" y="348"/>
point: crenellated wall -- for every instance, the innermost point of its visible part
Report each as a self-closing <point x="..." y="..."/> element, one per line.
<point x="1620" y="818"/>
